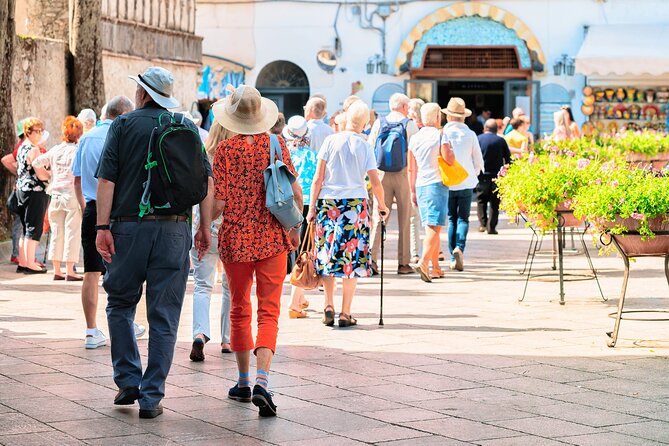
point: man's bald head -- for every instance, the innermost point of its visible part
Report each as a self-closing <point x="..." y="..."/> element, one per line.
<point x="490" y="126"/>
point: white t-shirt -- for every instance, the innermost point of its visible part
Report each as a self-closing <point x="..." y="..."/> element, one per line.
<point x="348" y="158"/>
<point x="59" y="159"/>
<point x="318" y="131"/>
<point x="425" y="148"/>
<point x="465" y="145"/>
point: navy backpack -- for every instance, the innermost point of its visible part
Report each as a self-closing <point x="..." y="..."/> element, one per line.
<point x="391" y="145"/>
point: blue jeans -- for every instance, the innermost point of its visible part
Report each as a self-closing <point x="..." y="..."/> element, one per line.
<point x="155" y="252"/>
<point x="459" y="207"/>
<point x="204" y="276"/>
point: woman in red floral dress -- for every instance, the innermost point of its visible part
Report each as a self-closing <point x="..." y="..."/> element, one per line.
<point x="250" y="240"/>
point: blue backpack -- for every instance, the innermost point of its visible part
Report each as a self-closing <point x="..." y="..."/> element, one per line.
<point x="391" y="145"/>
<point x="279" y="193"/>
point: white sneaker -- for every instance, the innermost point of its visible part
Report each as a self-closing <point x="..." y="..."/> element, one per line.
<point x="99" y="340"/>
<point x="139" y="330"/>
<point x="459" y="259"/>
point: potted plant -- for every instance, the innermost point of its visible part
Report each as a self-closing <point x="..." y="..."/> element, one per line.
<point x="541" y="187"/>
<point x="632" y="206"/>
<point x="642" y="148"/>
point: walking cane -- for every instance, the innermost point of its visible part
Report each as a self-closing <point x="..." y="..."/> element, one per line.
<point x="383" y="243"/>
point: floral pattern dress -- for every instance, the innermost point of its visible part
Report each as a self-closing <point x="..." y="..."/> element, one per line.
<point x="342" y="238"/>
<point x="248" y="231"/>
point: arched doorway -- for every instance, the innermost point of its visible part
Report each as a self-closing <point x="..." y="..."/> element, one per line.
<point x="382" y="96"/>
<point x="475" y="51"/>
<point x="286" y="84"/>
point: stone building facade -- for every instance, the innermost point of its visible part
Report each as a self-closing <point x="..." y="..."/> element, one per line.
<point x="135" y="35"/>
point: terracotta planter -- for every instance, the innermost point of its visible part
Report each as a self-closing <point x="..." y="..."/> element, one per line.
<point x="565" y="216"/>
<point x="658" y="161"/>
<point x="633" y="245"/>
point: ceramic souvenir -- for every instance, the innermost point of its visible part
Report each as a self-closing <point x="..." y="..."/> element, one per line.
<point x="588" y="100"/>
<point x="620" y="94"/>
<point x="633" y="126"/>
<point x="631" y="94"/>
<point x="610" y="93"/>
<point x="599" y="95"/>
<point x="650" y="95"/>
<point x="587" y="128"/>
<point x="587" y="109"/>
<point x="587" y="90"/>
<point x="612" y="127"/>
<point x="634" y="111"/>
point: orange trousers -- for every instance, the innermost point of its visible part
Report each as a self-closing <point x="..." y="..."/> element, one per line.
<point x="270" y="274"/>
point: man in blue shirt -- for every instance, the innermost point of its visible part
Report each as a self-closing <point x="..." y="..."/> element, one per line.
<point x="84" y="167"/>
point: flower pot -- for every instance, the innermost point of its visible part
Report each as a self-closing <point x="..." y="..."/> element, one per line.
<point x="657" y="161"/>
<point x="634" y="245"/>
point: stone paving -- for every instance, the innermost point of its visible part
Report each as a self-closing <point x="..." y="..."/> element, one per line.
<point x="459" y="361"/>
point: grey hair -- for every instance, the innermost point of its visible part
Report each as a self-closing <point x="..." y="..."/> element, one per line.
<point x="119" y="105"/>
<point x="398" y="100"/>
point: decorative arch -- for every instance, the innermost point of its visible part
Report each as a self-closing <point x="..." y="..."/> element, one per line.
<point x="282" y="74"/>
<point x="469" y="9"/>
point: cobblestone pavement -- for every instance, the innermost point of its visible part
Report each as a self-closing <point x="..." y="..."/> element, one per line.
<point x="459" y="361"/>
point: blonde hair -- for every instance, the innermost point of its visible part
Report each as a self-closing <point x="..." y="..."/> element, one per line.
<point x="349" y="101"/>
<point x="357" y="116"/>
<point x="217" y="133"/>
<point x="430" y="114"/>
<point x="560" y="119"/>
<point x="29" y="124"/>
<point x="414" y="113"/>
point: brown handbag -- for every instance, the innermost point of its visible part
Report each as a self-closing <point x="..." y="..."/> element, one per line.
<point x="304" y="272"/>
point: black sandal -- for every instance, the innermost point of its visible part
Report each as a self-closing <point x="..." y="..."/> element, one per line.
<point x="348" y="320"/>
<point x="328" y="316"/>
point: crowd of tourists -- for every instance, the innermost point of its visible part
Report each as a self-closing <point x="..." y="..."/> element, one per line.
<point x="213" y="211"/>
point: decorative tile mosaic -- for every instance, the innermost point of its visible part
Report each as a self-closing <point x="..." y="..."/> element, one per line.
<point x="470" y="31"/>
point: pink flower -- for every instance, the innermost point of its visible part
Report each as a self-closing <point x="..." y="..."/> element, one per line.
<point x="352" y="245"/>
<point x="504" y="170"/>
<point x="320" y="230"/>
<point x="622" y="199"/>
<point x="614" y="183"/>
<point x="637" y="216"/>
<point x="583" y="163"/>
<point x="348" y="269"/>
<point x="570" y="153"/>
<point x="531" y="159"/>
<point x="598" y="181"/>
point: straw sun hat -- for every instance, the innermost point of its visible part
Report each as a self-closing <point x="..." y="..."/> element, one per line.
<point x="456" y="107"/>
<point x="245" y="112"/>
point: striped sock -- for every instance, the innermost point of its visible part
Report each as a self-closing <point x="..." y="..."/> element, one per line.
<point x="244" y="380"/>
<point x="262" y="379"/>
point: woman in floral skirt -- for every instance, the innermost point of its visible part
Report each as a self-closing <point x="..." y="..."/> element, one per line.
<point x="339" y="208"/>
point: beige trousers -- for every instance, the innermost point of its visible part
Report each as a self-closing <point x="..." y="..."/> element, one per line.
<point x="65" y="222"/>
<point x="395" y="185"/>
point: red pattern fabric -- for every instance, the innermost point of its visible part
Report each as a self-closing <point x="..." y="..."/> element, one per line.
<point x="248" y="232"/>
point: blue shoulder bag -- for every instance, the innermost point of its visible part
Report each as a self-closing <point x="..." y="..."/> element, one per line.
<point x="278" y="188"/>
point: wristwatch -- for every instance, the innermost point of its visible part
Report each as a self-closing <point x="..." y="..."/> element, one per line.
<point x="102" y="227"/>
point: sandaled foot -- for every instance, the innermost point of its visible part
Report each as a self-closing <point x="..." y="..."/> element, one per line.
<point x="346" y="320"/>
<point x="328" y="316"/>
<point x="424" y="274"/>
<point x="305" y="304"/>
<point x="437" y="274"/>
<point x="296" y="314"/>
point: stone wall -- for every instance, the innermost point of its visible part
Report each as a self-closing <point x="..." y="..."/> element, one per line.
<point x="138" y="40"/>
<point x="117" y="68"/>
<point x="39" y="81"/>
<point x="42" y="18"/>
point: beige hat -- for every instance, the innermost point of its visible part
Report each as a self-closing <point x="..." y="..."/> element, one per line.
<point x="456" y="107"/>
<point x="246" y="112"/>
